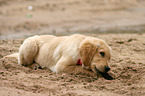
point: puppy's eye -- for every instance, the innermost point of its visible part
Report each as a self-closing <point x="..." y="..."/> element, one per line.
<point x="102" y="54"/>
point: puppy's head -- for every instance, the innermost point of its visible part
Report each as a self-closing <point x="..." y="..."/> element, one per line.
<point x="95" y="55"/>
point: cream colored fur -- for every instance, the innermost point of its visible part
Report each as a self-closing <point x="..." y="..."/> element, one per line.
<point x="60" y="54"/>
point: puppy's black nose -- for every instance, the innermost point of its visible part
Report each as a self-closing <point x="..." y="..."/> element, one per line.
<point x="107" y="68"/>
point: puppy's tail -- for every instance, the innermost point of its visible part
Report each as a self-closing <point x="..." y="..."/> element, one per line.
<point x="15" y="55"/>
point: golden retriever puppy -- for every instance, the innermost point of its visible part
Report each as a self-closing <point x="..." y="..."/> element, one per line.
<point x="64" y="53"/>
<point x="61" y="54"/>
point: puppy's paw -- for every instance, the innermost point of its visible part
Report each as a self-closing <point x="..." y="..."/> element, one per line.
<point x="34" y="66"/>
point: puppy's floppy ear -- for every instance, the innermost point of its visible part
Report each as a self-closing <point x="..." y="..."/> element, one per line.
<point x="87" y="51"/>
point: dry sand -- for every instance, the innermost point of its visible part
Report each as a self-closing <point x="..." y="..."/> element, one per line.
<point x="127" y="67"/>
<point x="63" y="17"/>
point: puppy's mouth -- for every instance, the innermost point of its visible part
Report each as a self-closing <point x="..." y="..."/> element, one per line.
<point x="104" y="74"/>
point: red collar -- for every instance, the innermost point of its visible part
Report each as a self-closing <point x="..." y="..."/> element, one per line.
<point x="79" y="62"/>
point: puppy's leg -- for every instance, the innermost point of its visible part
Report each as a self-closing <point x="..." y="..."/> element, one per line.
<point x="27" y="52"/>
<point x="78" y="69"/>
<point x="68" y="66"/>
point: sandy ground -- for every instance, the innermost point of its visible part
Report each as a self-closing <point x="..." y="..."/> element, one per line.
<point x="64" y="17"/>
<point x="127" y="67"/>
